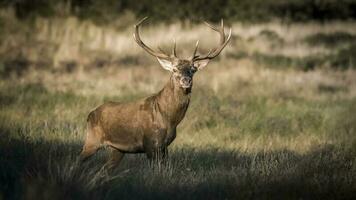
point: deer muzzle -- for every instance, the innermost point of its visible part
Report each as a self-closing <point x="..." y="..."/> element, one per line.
<point x="186" y="82"/>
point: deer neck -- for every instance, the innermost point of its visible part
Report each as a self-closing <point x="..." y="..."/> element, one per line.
<point x="173" y="102"/>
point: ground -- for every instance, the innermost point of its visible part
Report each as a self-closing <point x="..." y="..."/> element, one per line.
<point x="264" y="121"/>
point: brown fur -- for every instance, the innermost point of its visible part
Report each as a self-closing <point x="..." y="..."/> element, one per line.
<point x="146" y="126"/>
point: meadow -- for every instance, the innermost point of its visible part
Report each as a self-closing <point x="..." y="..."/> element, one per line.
<point x="272" y="118"/>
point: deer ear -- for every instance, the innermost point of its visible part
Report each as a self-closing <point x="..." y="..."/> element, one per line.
<point x="200" y="64"/>
<point x="166" y="64"/>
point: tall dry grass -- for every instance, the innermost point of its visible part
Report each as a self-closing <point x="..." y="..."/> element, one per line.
<point x="253" y="129"/>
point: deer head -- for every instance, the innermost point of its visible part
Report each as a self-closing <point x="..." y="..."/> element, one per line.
<point x="184" y="69"/>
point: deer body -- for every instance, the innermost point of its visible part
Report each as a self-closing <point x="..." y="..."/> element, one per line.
<point x="138" y="127"/>
<point x="148" y="125"/>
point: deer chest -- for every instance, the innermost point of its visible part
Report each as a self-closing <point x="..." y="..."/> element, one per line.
<point x="163" y="136"/>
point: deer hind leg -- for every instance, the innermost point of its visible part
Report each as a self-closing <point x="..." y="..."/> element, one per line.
<point x="92" y="142"/>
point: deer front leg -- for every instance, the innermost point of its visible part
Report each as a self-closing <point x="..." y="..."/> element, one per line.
<point x="157" y="154"/>
<point x="155" y="147"/>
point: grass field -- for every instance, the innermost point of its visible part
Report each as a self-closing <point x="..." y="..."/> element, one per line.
<point x="264" y="121"/>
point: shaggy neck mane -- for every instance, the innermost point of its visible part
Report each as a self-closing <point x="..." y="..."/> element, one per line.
<point x="173" y="101"/>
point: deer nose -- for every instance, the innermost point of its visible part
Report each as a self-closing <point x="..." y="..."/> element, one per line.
<point x="186" y="80"/>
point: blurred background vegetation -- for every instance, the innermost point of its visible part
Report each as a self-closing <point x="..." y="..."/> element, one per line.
<point x="273" y="117"/>
<point x="30" y="28"/>
<point x="105" y="11"/>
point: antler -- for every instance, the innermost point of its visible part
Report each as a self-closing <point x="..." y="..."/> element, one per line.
<point x="148" y="49"/>
<point x="223" y="42"/>
<point x="212" y="53"/>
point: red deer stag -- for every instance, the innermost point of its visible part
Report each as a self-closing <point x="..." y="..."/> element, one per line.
<point x="148" y="125"/>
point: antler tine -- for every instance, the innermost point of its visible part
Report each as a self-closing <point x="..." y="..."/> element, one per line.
<point x="210" y="51"/>
<point x="220" y="30"/>
<point x="195" y="50"/>
<point x="174" y="51"/>
<point x="161" y="50"/>
<point x="217" y="51"/>
<point x="143" y="45"/>
<point x="211" y="26"/>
